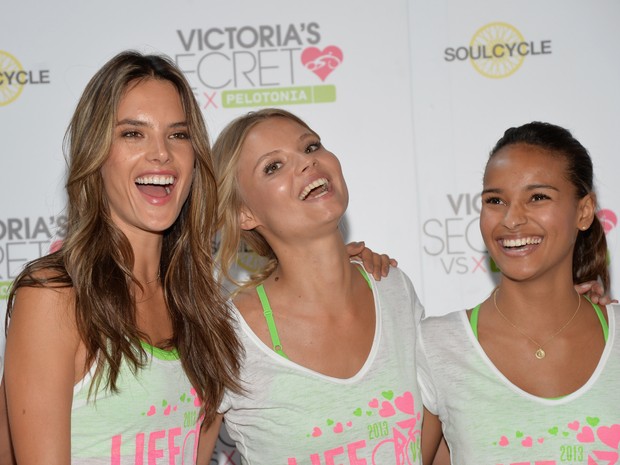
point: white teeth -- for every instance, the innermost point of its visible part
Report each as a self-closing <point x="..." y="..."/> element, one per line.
<point x="521" y="241"/>
<point x="155" y="179"/>
<point x="313" y="185"/>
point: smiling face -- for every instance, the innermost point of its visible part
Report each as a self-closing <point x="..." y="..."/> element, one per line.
<point x="288" y="181"/>
<point x="530" y="214"/>
<point x="148" y="172"/>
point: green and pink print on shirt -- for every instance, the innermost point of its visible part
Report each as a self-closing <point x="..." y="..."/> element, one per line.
<point x="291" y="415"/>
<point x="153" y="419"/>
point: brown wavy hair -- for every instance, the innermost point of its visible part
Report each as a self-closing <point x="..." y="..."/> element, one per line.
<point x="226" y="151"/>
<point x="96" y="258"/>
<point x="590" y="254"/>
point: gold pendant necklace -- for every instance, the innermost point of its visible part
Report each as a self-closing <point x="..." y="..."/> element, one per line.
<point x="540" y="353"/>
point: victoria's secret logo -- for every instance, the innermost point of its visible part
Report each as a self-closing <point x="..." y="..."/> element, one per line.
<point x="258" y="66"/>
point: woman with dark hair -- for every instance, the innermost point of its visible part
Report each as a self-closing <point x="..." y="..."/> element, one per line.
<point x="531" y="374"/>
<point x="116" y="339"/>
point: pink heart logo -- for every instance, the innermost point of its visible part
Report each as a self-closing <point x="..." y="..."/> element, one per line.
<point x="610" y="435"/>
<point x="349" y="424"/>
<point x="608" y="219"/>
<point x="541" y="440"/>
<point x="404" y="403"/>
<point x="609" y="456"/>
<point x="586" y="435"/>
<point x="373" y="403"/>
<point x="503" y="441"/>
<point x="527" y="442"/>
<point x="574" y="425"/>
<point x="151" y="411"/>
<point x="316" y="432"/>
<point x="338" y="428"/>
<point x="386" y="410"/>
<point x="322" y="62"/>
<point x="167" y="410"/>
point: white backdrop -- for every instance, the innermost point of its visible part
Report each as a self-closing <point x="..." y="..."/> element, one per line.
<point x="418" y="93"/>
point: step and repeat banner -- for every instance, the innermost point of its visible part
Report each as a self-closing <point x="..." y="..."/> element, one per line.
<point x="411" y="95"/>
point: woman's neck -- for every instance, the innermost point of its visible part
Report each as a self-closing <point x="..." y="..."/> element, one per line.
<point x="315" y="268"/>
<point x="550" y="301"/>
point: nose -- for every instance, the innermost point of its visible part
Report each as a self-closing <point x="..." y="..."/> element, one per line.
<point x="515" y="216"/>
<point x="306" y="161"/>
<point x="159" y="152"/>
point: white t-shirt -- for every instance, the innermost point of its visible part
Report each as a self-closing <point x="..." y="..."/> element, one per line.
<point x="291" y="415"/>
<point x="489" y="421"/>
<point x="153" y="419"/>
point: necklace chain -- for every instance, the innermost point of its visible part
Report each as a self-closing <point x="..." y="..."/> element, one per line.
<point x="156" y="278"/>
<point x="540" y="353"/>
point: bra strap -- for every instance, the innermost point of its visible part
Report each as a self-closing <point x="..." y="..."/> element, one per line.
<point x="271" y="323"/>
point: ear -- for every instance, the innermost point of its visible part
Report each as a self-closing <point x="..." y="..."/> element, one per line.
<point x="246" y="219"/>
<point x="586" y="211"/>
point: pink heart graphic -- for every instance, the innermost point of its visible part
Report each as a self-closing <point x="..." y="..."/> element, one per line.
<point x="610" y="435"/>
<point x="404" y="403"/>
<point x="373" y="403"/>
<point x="316" y="432"/>
<point x="349" y="424"/>
<point x="151" y="411"/>
<point x="386" y="410"/>
<point x="338" y="428"/>
<point x="322" y="63"/>
<point x="608" y="219"/>
<point x="541" y="440"/>
<point x="610" y="456"/>
<point x="503" y="441"/>
<point x="527" y="442"/>
<point x="167" y="410"/>
<point x="574" y="425"/>
<point x="586" y="435"/>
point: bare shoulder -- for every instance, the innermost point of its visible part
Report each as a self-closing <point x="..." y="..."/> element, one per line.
<point x="248" y="304"/>
<point x="53" y="302"/>
<point x="45" y="315"/>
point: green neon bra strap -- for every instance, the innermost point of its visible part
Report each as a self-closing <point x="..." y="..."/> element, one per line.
<point x="473" y="319"/>
<point x="271" y="322"/>
<point x="601" y="318"/>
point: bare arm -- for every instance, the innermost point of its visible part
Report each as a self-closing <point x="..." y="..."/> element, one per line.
<point x="6" y="449"/>
<point x="208" y="438"/>
<point x="432" y="435"/>
<point x="39" y="375"/>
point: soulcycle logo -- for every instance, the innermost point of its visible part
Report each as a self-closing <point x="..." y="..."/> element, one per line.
<point x="454" y="239"/>
<point x="497" y="50"/>
<point x="23" y="240"/>
<point x="253" y="66"/>
<point x="14" y="77"/>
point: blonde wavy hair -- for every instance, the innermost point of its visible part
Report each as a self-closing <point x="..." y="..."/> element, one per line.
<point x="233" y="239"/>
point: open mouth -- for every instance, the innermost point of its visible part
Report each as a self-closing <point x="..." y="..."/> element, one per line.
<point x="520" y="243"/>
<point x="315" y="189"/>
<point x="155" y="185"/>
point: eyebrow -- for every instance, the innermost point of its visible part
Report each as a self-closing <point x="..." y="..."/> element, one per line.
<point x="305" y="135"/>
<point x="140" y="123"/>
<point x="529" y="187"/>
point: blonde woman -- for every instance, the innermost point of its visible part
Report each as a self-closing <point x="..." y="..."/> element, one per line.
<point x="329" y="367"/>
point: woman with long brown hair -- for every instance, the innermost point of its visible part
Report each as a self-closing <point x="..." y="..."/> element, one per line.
<point x="119" y="343"/>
